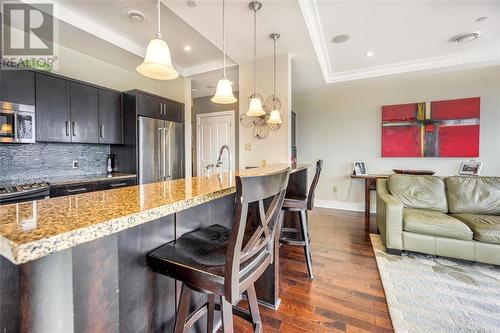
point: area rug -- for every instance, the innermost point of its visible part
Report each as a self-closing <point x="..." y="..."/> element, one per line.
<point x="433" y="294"/>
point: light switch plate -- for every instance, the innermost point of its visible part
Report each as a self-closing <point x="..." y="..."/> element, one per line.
<point x="76" y="164"/>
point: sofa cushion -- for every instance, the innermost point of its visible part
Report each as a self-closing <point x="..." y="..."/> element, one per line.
<point x="419" y="192"/>
<point x="432" y="223"/>
<point x="473" y="195"/>
<point x="486" y="228"/>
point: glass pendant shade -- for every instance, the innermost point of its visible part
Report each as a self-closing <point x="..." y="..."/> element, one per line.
<point x="157" y="63"/>
<point x="275" y="117"/>
<point x="224" y="93"/>
<point x="255" y="109"/>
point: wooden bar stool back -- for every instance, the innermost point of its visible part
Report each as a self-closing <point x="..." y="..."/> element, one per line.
<point x="300" y="205"/>
<point x="226" y="262"/>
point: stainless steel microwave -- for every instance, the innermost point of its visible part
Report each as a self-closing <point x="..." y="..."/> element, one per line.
<point x="17" y="123"/>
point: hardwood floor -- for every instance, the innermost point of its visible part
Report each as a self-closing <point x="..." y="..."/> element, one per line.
<point x="346" y="294"/>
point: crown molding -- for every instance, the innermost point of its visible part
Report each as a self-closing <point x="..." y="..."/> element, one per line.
<point x="207" y="67"/>
<point x="469" y="59"/>
<point x="312" y="19"/>
<point x="310" y="12"/>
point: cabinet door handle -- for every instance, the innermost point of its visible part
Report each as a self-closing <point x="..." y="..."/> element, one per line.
<point x="101" y="131"/>
<point x="73" y="124"/>
<point x="67" y="128"/>
<point x="118" y="184"/>
<point x="81" y="189"/>
<point x="161" y="108"/>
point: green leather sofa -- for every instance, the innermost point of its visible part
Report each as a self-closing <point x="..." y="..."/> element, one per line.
<point x="457" y="217"/>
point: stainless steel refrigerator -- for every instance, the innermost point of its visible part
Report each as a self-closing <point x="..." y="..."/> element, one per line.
<point x="161" y="154"/>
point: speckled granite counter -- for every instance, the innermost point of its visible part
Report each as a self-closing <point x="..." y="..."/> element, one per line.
<point x="34" y="229"/>
<point x="31" y="230"/>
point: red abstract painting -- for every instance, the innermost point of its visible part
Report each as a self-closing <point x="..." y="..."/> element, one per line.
<point x="432" y="129"/>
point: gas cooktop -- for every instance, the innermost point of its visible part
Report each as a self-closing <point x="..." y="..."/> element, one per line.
<point x="24" y="192"/>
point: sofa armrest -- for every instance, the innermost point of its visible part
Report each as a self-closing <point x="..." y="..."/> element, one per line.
<point x="389" y="218"/>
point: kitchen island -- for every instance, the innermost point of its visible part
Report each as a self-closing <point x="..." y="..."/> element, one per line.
<point x="78" y="263"/>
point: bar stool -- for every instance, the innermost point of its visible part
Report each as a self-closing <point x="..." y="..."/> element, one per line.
<point x="301" y="204"/>
<point x="216" y="261"/>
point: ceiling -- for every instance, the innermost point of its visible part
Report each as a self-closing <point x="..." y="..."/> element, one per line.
<point x="108" y="20"/>
<point x="405" y="36"/>
<point x="204" y="84"/>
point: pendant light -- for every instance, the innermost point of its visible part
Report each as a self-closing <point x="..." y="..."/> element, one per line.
<point x="255" y="109"/>
<point x="275" y="116"/>
<point x="158" y="63"/>
<point x="224" y="91"/>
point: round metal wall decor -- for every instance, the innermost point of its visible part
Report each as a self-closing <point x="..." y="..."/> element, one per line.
<point x="260" y="126"/>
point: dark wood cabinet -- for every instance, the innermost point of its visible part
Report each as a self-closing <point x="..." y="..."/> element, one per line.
<point x="62" y="190"/>
<point x="17" y="86"/>
<point x="53" y="113"/>
<point x="110" y="117"/>
<point x="149" y="106"/>
<point x="84" y="113"/>
<point x="111" y="184"/>
<point x="175" y="112"/>
<point x="157" y="107"/>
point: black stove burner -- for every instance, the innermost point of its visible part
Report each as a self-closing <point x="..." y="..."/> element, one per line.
<point x="24" y="192"/>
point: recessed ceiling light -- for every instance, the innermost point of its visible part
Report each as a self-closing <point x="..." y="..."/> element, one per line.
<point x="369" y="54"/>
<point x="482" y="19"/>
<point x="340" y="39"/>
<point x="187" y="48"/>
<point x="466" y="37"/>
<point x="135" y="15"/>
<point x="191" y="3"/>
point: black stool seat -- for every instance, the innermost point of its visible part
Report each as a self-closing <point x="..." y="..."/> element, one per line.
<point x="223" y="262"/>
<point x="301" y="203"/>
<point x="200" y="254"/>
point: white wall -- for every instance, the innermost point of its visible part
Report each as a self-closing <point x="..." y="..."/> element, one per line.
<point x="275" y="148"/>
<point x="342" y="123"/>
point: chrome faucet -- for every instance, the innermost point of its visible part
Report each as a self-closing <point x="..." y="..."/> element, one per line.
<point x="219" y="160"/>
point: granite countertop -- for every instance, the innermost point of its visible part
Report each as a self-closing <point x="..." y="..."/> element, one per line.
<point x="31" y="230"/>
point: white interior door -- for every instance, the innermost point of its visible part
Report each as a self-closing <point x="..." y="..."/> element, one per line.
<point x="215" y="129"/>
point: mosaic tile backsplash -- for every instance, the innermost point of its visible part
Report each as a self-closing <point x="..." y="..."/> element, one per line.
<point x="24" y="162"/>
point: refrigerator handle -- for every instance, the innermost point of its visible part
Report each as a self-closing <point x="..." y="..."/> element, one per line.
<point x="169" y="155"/>
<point x="160" y="154"/>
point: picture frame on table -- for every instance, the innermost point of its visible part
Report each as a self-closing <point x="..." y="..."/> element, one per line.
<point x="471" y="168"/>
<point x="360" y="168"/>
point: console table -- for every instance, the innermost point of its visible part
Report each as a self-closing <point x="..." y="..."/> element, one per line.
<point x="370" y="185"/>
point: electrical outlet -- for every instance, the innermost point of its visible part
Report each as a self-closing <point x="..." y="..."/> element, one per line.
<point x="248" y="146"/>
<point x="76" y="164"/>
<point x="335" y="189"/>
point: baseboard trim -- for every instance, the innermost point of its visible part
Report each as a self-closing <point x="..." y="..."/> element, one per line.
<point x="343" y="205"/>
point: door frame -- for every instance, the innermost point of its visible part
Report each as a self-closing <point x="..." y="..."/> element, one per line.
<point x="198" y="136"/>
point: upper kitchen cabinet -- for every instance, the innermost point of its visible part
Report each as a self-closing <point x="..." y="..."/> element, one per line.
<point x="110" y="117"/>
<point x="73" y="111"/>
<point x="175" y="112"/>
<point x="84" y="113"/>
<point x="150" y="106"/>
<point x="53" y="112"/>
<point x="158" y="107"/>
<point x="17" y="86"/>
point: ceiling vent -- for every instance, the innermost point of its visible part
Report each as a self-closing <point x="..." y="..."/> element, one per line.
<point x="135" y="15"/>
<point x="467" y="37"/>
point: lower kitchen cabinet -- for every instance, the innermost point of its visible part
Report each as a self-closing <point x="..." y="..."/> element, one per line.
<point x="62" y="190"/>
<point x="110" y="184"/>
